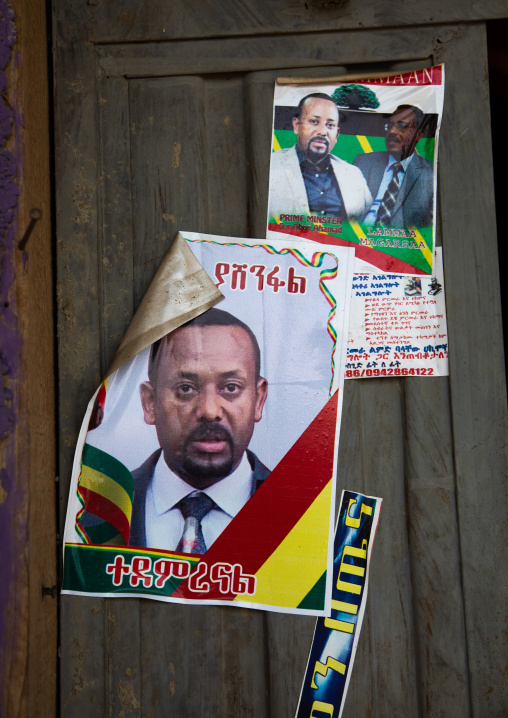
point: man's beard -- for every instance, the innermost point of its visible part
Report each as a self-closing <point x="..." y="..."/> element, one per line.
<point x="317" y="157"/>
<point x="209" y="467"/>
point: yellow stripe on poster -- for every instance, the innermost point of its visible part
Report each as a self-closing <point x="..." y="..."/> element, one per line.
<point x="107" y="487"/>
<point x="299" y="561"/>
<point x="426" y="252"/>
<point x="364" y="143"/>
<point x="357" y="230"/>
<point x="276" y="145"/>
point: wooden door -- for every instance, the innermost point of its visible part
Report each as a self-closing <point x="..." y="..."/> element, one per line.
<point x="155" y="135"/>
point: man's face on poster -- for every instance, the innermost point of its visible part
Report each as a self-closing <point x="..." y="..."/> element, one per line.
<point x="402" y="134"/>
<point x="205" y="401"/>
<point x="317" y="128"/>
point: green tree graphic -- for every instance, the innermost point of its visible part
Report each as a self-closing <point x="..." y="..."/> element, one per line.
<point x="355" y="96"/>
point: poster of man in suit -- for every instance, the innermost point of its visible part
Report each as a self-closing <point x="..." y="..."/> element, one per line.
<point x="357" y="161"/>
<point x="197" y="477"/>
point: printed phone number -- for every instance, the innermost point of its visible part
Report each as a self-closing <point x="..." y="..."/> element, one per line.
<point x="355" y="373"/>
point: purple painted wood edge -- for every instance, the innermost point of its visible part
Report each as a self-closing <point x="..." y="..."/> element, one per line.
<point x="12" y="490"/>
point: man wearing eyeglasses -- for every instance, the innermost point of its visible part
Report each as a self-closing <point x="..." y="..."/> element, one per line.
<point x="400" y="180"/>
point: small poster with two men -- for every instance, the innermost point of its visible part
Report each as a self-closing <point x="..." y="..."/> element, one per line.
<point x="355" y="163"/>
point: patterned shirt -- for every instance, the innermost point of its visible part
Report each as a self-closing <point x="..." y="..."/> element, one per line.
<point x="323" y="192"/>
<point x="370" y="217"/>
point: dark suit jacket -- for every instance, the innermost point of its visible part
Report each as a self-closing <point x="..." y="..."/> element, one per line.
<point x="142" y="477"/>
<point x="414" y="204"/>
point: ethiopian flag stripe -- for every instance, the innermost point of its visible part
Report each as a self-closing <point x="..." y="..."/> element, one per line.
<point x="108" y="511"/>
<point x="108" y="488"/>
<point x="281" y="580"/>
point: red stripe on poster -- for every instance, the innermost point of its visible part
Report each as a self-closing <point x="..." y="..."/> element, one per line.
<point x="276" y="507"/>
<point x="384" y="262"/>
<point x="108" y="511"/>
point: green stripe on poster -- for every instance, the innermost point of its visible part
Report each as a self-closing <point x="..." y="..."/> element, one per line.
<point x="348" y="147"/>
<point x="92" y="569"/>
<point x="316" y="596"/>
<point x="103" y="533"/>
<point x="108" y="465"/>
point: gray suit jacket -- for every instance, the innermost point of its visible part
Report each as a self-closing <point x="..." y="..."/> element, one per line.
<point x="414" y="205"/>
<point x="142" y="477"/>
<point x="288" y="195"/>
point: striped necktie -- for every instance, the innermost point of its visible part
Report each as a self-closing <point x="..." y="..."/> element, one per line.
<point x="194" y="508"/>
<point x="385" y="210"/>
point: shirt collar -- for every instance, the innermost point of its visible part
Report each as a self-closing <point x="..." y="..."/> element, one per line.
<point x="404" y="162"/>
<point x="230" y="493"/>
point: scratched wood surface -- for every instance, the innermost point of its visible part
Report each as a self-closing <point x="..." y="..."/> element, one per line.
<point x="156" y="136"/>
<point x="252" y="17"/>
<point x="28" y="559"/>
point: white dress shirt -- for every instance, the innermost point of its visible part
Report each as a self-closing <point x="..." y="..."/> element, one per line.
<point x="370" y="217"/>
<point x="164" y="523"/>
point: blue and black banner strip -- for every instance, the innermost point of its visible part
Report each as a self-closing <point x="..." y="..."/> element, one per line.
<point x="335" y="639"/>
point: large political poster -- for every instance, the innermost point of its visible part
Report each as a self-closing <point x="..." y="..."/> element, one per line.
<point x="205" y="469"/>
<point x="357" y="162"/>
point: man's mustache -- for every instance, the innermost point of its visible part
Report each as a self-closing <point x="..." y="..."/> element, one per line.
<point x="209" y="432"/>
<point x="320" y="138"/>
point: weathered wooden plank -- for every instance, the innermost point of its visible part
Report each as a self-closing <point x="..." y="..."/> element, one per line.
<point x="394" y="682"/>
<point x="211" y="661"/>
<point x="351" y="476"/>
<point x="82" y="664"/>
<point x="477" y="376"/>
<point x="77" y="276"/>
<point x="288" y="642"/>
<point x="123" y="651"/>
<point x="207" y="19"/>
<point x="40" y="687"/>
<point x="188" y="57"/>
<point x="114" y="218"/>
<point x="258" y="145"/>
<point x="226" y="176"/>
<point x="115" y="277"/>
<point x="83" y="668"/>
<point x="244" y="669"/>
<point x="182" y="673"/>
<point x="434" y="550"/>
<point x="28" y="561"/>
<point x="168" y="157"/>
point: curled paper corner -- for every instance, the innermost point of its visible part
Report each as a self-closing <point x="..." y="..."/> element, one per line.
<point x="180" y="291"/>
